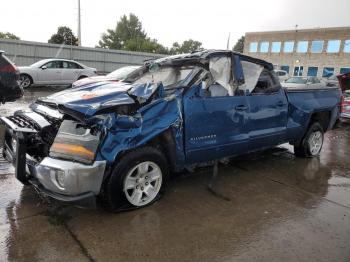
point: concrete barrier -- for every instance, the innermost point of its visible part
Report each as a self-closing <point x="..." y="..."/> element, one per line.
<point x="24" y="53"/>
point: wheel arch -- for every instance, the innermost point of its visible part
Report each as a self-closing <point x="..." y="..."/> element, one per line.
<point x="29" y="75"/>
<point x="322" y="117"/>
<point x="82" y="76"/>
<point x="165" y="142"/>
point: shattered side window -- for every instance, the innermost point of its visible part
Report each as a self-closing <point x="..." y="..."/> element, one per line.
<point x="220" y="69"/>
<point x="251" y="73"/>
<point x="266" y="83"/>
<point x="169" y="76"/>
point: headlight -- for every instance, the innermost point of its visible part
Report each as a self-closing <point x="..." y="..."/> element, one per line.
<point x="75" y="142"/>
<point x="14" y="145"/>
<point x="57" y="176"/>
<point x="60" y="178"/>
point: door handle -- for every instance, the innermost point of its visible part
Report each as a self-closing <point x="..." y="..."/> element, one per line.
<point x="241" y="108"/>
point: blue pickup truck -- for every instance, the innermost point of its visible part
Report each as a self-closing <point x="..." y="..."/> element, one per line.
<point x="119" y="141"/>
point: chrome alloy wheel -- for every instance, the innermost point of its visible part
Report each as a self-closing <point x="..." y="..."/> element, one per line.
<point x="315" y="142"/>
<point x="142" y="183"/>
<point x="24" y="81"/>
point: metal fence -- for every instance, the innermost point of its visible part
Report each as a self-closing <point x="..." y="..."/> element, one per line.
<point x="24" y="53"/>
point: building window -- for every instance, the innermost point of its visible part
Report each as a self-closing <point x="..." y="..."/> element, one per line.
<point x="288" y="47"/>
<point x="253" y="47"/>
<point x="276" y="47"/>
<point x="317" y="46"/>
<point x="333" y="46"/>
<point x="312" y="71"/>
<point x="285" y="68"/>
<point x="302" y="46"/>
<point x="328" y="71"/>
<point x="344" y="70"/>
<point x="264" y="47"/>
<point x="347" y="46"/>
<point x="298" y="71"/>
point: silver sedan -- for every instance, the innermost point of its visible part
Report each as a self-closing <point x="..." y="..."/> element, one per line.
<point x="54" y="72"/>
<point x="303" y="82"/>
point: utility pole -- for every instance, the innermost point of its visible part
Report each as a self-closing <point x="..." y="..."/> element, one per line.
<point x="228" y="41"/>
<point x="79" y="24"/>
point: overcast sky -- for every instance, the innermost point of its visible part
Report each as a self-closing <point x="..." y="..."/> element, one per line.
<point x="168" y="21"/>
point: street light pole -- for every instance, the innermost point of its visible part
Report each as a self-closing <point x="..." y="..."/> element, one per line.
<point x="79" y="24"/>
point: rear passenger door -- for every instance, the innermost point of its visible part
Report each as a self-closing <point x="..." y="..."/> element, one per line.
<point x="71" y="72"/>
<point x="50" y="73"/>
<point x="268" y="112"/>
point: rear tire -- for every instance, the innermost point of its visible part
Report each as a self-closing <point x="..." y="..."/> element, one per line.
<point x="312" y="142"/>
<point x="25" y="81"/>
<point x="138" y="180"/>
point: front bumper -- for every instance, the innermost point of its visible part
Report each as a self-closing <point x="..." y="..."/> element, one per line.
<point x="69" y="178"/>
<point x="83" y="200"/>
<point x="60" y="179"/>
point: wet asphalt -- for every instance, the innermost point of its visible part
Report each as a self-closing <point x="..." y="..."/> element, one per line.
<point x="267" y="206"/>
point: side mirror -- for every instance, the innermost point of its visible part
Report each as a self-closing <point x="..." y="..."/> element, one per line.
<point x="44" y="67"/>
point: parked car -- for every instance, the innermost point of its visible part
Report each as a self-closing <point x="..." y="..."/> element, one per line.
<point x="116" y="75"/>
<point x="345" y="105"/>
<point x="9" y="80"/>
<point x="54" y="72"/>
<point x="332" y="81"/>
<point x="119" y="140"/>
<point x="303" y="82"/>
<point x="282" y="75"/>
<point x="344" y="81"/>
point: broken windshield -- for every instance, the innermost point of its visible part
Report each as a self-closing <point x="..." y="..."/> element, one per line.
<point x="170" y="76"/>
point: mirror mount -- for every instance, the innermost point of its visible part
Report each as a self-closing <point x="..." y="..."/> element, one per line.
<point x="44" y="67"/>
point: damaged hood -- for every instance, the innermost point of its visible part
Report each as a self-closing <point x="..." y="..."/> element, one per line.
<point x="89" y="100"/>
<point x="93" y="79"/>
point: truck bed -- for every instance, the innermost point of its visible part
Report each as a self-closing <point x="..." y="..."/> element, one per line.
<point x="301" y="89"/>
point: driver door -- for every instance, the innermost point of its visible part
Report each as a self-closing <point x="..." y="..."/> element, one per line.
<point x="50" y="73"/>
<point x="215" y="127"/>
<point x="215" y="124"/>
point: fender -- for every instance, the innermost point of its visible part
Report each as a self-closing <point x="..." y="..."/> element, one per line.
<point x="129" y="132"/>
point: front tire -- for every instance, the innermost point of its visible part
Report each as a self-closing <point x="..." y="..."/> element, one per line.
<point x="137" y="180"/>
<point x="25" y="81"/>
<point x="312" y="143"/>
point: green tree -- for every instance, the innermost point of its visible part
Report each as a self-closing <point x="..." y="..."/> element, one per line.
<point x="145" y="45"/>
<point x="65" y="36"/>
<point x="187" y="46"/>
<point x="239" y="46"/>
<point x="8" y="35"/>
<point x="130" y="36"/>
<point x="128" y="28"/>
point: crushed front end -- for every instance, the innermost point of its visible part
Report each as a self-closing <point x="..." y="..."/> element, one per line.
<point x="69" y="142"/>
<point x="54" y="154"/>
